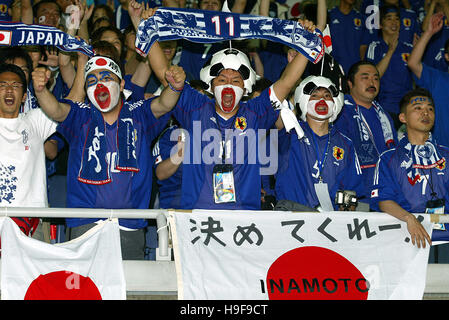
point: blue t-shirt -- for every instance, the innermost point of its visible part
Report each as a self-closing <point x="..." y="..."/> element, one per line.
<point x="397" y="79"/>
<point x="391" y="180"/>
<point x="299" y="167"/>
<point x="437" y="82"/>
<point x="206" y="132"/>
<point x="409" y="26"/>
<point x="170" y="188"/>
<point x="369" y="144"/>
<point x="346" y="32"/>
<point x="195" y="55"/>
<point x="127" y="189"/>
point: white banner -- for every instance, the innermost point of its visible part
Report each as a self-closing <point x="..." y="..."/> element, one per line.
<point x="86" y="268"/>
<point x="236" y="255"/>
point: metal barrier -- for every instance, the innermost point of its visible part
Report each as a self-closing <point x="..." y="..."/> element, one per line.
<point x="158" y="214"/>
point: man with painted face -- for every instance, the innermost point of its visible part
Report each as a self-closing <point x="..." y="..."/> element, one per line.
<point x="312" y="169"/>
<point x="109" y="157"/>
<point x="222" y="157"/>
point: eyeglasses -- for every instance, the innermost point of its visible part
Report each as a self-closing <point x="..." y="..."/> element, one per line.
<point x="14" y="85"/>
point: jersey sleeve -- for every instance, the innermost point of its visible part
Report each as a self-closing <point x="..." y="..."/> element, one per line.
<point x="79" y="114"/>
<point x="384" y="185"/>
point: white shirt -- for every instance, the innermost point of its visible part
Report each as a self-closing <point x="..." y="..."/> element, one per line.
<point x="23" y="181"/>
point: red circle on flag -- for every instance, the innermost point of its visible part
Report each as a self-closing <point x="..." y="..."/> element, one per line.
<point x="294" y="11"/>
<point x="327" y="41"/>
<point x="315" y="273"/>
<point x="101" y="62"/>
<point x="2" y="37"/>
<point x="62" y="285"/>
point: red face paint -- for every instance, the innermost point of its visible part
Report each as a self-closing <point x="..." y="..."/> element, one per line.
<point x="100" y="92"/>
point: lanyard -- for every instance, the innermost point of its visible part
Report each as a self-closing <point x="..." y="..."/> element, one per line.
<point x="324" y="156"/>
<point x="223" y="136"/>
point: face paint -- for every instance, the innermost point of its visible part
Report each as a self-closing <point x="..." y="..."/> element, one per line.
<point x="320" y="109"/>
<point x="105" y="95"/>
<point x="228" y="97"/>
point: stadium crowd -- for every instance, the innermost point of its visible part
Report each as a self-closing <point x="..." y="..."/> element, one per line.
<point x="247" y="124"/>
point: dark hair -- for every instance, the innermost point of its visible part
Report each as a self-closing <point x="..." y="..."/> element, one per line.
<point x="37" y="6"/>
<point x="96" y="36"/>
<point x="109" y="14"/>
<point x="355" y="68"/>
<point x="8" y="67"/>
<point x="386" y="9"/>
<point x="414" y="93"/>
<point x="11" y="53"/>
<point x="97" y="23"/>
<point x="261" y="84"/>
<point x="106" y="49"/>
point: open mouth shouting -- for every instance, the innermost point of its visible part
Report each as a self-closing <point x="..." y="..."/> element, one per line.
<point x="9" y="100"/>
<point x="102" y="96"/>
<point x="321" y="108"/>
<point x="228" y="99"/>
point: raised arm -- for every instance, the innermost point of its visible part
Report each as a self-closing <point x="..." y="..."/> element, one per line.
<point x="293" y="71"/>
<point x="176" y="77"/>
<point x="55" y="110"/>
<point x="414" y="61"/>
<point x="382" y="66"/>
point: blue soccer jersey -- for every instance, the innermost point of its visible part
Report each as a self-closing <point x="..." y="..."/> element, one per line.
<point x="213" y="140"/>
<point x="127" y="189"/>
<point x="195" y="55"/>
<point x="437" y="82"/>
<point x="397" y="79"/>
<point x="370" y="134"/>
<point x="346" y="33"/>
<point x="170" y="188"/>
<point x="300" y="167"/>
<point x="398" y="179"/>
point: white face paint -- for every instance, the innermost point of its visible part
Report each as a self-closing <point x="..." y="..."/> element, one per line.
<point x="228" y="97"/>
<point x="104" y="95"/>
<point x="320" y="109"/>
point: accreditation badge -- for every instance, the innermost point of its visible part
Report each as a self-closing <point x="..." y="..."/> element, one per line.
<point x="223" y="179"/>
<point x="436" y="206"/>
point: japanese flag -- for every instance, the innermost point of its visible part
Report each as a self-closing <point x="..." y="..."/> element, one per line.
<point x="5" y="37"/>
<point x="327" y="39"/>
<point x="86" y="268"/>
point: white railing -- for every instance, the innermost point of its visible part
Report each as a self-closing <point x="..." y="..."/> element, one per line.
<point x="158" y="214"/>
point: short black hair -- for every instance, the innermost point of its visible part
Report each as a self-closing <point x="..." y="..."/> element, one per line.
<point x="355" y="68"/>
<point x="386" y="9"/>
<point x="10" y="53"/>
<point x="37" y="5"/>
<point x="417" y="92"/>
<point x="8" y="67"/>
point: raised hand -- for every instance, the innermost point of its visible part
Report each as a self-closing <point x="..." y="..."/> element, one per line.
<point x="40" y="77"/>
<point x="176" y="77"/>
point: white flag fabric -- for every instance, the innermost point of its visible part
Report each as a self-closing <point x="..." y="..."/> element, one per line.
<point x="86" y="268"/>
<point x="244" y="255"/>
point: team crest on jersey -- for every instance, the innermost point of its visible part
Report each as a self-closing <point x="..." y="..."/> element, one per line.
<point x="357" y="22"/>
<point x="405" y="56"/>
<point x="338" y="153"/>
<point x="240" y="123"/>
<point x="406" y="22"/>
<point x="441" y="164"/>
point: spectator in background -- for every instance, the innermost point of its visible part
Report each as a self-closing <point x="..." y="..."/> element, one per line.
<point x="390" y="55"/>
<point x="413" y="177"/>
<point x="410" y="27"/>
<point x="122" y="18"/>
<point x="436" y="81"/>
<point x="347" y="29"/>
<point x="437" y="46"/>
<point x="365" y="122"/>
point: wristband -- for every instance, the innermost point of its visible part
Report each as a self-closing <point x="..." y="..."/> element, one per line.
<point x="174" y="89"/>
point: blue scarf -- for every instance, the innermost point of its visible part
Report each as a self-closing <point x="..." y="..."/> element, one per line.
<point x="21" y="34"/>
<point x="215" y="26"/>
<point x="94" y="169"/>
<point x="421" y="157"/>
